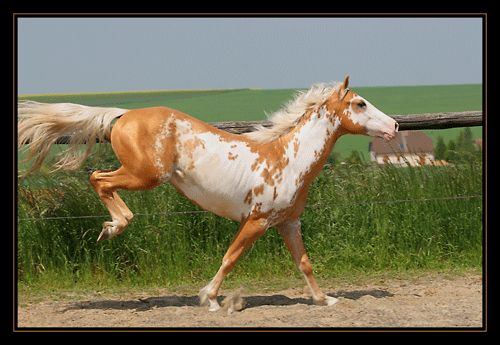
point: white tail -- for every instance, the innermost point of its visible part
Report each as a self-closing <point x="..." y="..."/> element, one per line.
<point x="40" y="124"/>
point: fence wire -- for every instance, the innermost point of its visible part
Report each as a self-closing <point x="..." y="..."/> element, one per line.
<point x="307" y="206"/>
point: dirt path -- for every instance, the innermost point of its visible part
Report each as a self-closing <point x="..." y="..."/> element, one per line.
<point x="422" y="302"/>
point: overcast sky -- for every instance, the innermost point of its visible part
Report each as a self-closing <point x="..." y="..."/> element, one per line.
<point x="66" y="55"/>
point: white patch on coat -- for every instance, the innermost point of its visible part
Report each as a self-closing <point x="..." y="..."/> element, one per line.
<point x="159" y="150"/>
<point x="198" y="174"/>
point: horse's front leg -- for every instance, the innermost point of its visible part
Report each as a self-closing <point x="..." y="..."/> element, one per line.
<point x="248" y="233"/>
<point x="290" y="230"/>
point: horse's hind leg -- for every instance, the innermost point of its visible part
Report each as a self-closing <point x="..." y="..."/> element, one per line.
<point x="147" y="159"/>
<point x="106" y="183"/>
<point x="103" y="183"/>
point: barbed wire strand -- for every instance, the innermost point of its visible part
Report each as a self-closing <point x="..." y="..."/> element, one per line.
<point x="307" y="206"/>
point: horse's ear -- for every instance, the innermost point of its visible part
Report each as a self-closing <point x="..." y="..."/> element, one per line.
<point x="346" y="83"/>
<point x="344" y="88"/>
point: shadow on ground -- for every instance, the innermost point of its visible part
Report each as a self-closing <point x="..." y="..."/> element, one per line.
<point x="144" y="304"/>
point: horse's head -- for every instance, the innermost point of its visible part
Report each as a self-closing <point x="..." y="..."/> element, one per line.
<point x="358" y="116"/>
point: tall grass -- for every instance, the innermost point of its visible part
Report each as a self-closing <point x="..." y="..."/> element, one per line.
<point x="185" y="248"/>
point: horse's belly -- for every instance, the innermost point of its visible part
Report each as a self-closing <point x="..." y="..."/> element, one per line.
<point x="228" y="178"/>
<point x="211" y="198"/>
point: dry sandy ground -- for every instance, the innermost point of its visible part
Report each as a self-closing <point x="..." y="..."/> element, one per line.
<point x="419" y="302"/>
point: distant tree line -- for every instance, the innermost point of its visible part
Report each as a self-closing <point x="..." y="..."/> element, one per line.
<point x="455" y="151"/>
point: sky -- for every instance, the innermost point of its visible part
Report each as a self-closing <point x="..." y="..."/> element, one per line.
<point x="104" y="54"/>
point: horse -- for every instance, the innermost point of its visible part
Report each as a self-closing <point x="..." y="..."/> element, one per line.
<point x="260" y="179"/>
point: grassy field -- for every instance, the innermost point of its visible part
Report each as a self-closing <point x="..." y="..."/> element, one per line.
<point x="251" y="104"/>
<point x="159" y="250"/>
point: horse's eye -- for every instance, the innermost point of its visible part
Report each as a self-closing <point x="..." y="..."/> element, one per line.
<point x="361" y="104"/>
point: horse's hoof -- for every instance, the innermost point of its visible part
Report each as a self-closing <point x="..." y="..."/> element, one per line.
<point x="109" y="230"/>
<point x="331" y="301"/>
<point x="104" y="235"/>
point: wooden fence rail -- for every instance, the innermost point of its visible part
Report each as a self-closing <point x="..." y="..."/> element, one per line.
<point x="406" y="122"/>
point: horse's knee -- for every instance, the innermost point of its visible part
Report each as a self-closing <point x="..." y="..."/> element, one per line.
<point x="305" y="267"/>
<point x="129" y="216"/>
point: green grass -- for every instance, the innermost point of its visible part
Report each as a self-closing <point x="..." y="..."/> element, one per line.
<point x="159" y="250"/>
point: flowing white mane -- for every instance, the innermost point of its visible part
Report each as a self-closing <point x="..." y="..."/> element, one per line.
<point x="283" y="120"/>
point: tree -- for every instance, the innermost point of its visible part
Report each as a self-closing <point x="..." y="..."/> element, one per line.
<point x="440" y="149"/>
<point x="451" y="153"/>
<point x="467" y="142"/>
<point x="334" y="159"/>
<point x="355" y="157"/>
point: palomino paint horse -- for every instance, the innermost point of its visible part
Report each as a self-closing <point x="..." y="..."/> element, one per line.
<point x="260" y="179"/>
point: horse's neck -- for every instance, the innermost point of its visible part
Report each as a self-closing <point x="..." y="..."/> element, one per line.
<point x="312" y="140"/>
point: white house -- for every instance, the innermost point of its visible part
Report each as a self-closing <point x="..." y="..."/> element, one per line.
<point x="409" y="147"/>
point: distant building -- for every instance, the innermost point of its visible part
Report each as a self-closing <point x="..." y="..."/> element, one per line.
<point x="409" y="147"/>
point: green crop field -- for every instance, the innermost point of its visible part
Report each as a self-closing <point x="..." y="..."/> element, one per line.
<point x="162" y="250"/>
